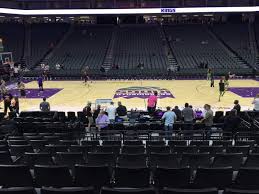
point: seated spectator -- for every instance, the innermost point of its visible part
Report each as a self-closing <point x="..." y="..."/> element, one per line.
<point x="121" y="111"/>
<point x="237" y="106"/>
<point x="232" y="121"/>
<point x="44" y="106"/>
<point x="208" y="118"/>
<point x="102" y="121"/>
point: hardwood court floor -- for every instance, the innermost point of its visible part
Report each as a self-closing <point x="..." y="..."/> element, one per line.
<point x="74" y="95"/>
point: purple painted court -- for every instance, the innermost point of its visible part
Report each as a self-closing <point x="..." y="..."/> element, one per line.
<point x="245" y="92"/>
<point x="35" y="93"/>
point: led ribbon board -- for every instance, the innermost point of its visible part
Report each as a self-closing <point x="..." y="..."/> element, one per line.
<point x="128" y="11"/>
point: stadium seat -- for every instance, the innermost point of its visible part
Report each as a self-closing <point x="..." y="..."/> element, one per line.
<point x="131" y="177"/>
<point x="15" y="176"/>
<point x="106" y="190"/>
<point x="20" y="190"/>
<point x="71" y="190"/>
<point x="179" y="191"/>
<point x="172" y="177"/>
<point x="164" y="160"/>
<point x="97" y="176"/>
<point x="132" y="160"/>
<point x="52" y="176"/>
<point x="213" y="177"/>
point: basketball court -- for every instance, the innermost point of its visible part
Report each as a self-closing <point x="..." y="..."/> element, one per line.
<point x="74" y="95"/>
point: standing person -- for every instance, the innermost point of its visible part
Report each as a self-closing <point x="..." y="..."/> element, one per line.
<point x="111" y="110"/>
<point x="151" y="103"/>
<point x="40" y="83"/>
<point x="16" y="71"/>
<point x="256" y="102"/>
<point x="178" y="113"/>
<point x="44" y="106"/>
<point x="212" y="80"/>
<point x="169" y="117"/>
<point x="188" y="115"/>
<point x="208" y="74"/>
<point x="97" y="112"/>
<point x="208" y="118"/>
<point x="237" y="106"/>
<point x="21" y="87"/>
<point x="85" y="77"/>
<point x="121" y="111"/>
<point x="221" y="89"/>
<point x="89" y="115"/>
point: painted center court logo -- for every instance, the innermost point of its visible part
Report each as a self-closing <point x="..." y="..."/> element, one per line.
<point x="142" y="92"/>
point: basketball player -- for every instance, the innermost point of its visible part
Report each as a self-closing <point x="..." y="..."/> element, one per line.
<point x="221" y="88"/>
<point x="85" y="77"/>
<point x="40" y="83"/>
<point x="21" y="87"/>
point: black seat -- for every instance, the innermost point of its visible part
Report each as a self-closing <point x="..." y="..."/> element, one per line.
<point x="101" y="159"/>
<point x="224" y="143"/>
<point x="184" y="149"/>
<point x="177" y="143"/>
<point x="53" y="149"/>
<point x="239" y="191"/>
<point x="131" y="160"/>
<point x="69" y="158"/>
<point x="112" y="143"/>
<point x="155" y="143"/>
<point x="246" y="142"/>
<point x="131" y="177"/>
<point x="213" y="177"/>
<point x="196" y="160"/>
<point x="238" y="149"/>
<point x="200" y="143"/>
<point x="228" y="159"/>
<point x="54" y="176"/>
<point x="81" y="148"/>
<point x="19" y="150"/>
<point x="71" y="190"/>
<point x="133" y="149"/>
<point x="133" y="143"/>
<point x="68" y="142"/>
<point x="211" y="149"/>
<point x="38" y="145"/>
<point x="252" y="161"/>
<point x="159" y="149"/>
<point x="180" y="191"/>
<point x="33" y="137"/>
<point x="18" y="142"/>
<point x="15" y="176"/>
<point x="32" y="159"/>
<point x="164" y="160"/>
<point x="247" y="178"/>
<point x="106" y="190"/>
<point x="90" y="143"/>
<point x="97" y="176"/>
<point x="20" y="190"/>
<point x="52" y="139"/>
<point x="172" y="177"/>
<point x="115" y="149"/>
<point x="5" y="157"/>
<point x="4" y="148"/>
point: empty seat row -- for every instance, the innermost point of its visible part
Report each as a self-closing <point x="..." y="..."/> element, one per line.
<point x="98" y="176"/>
